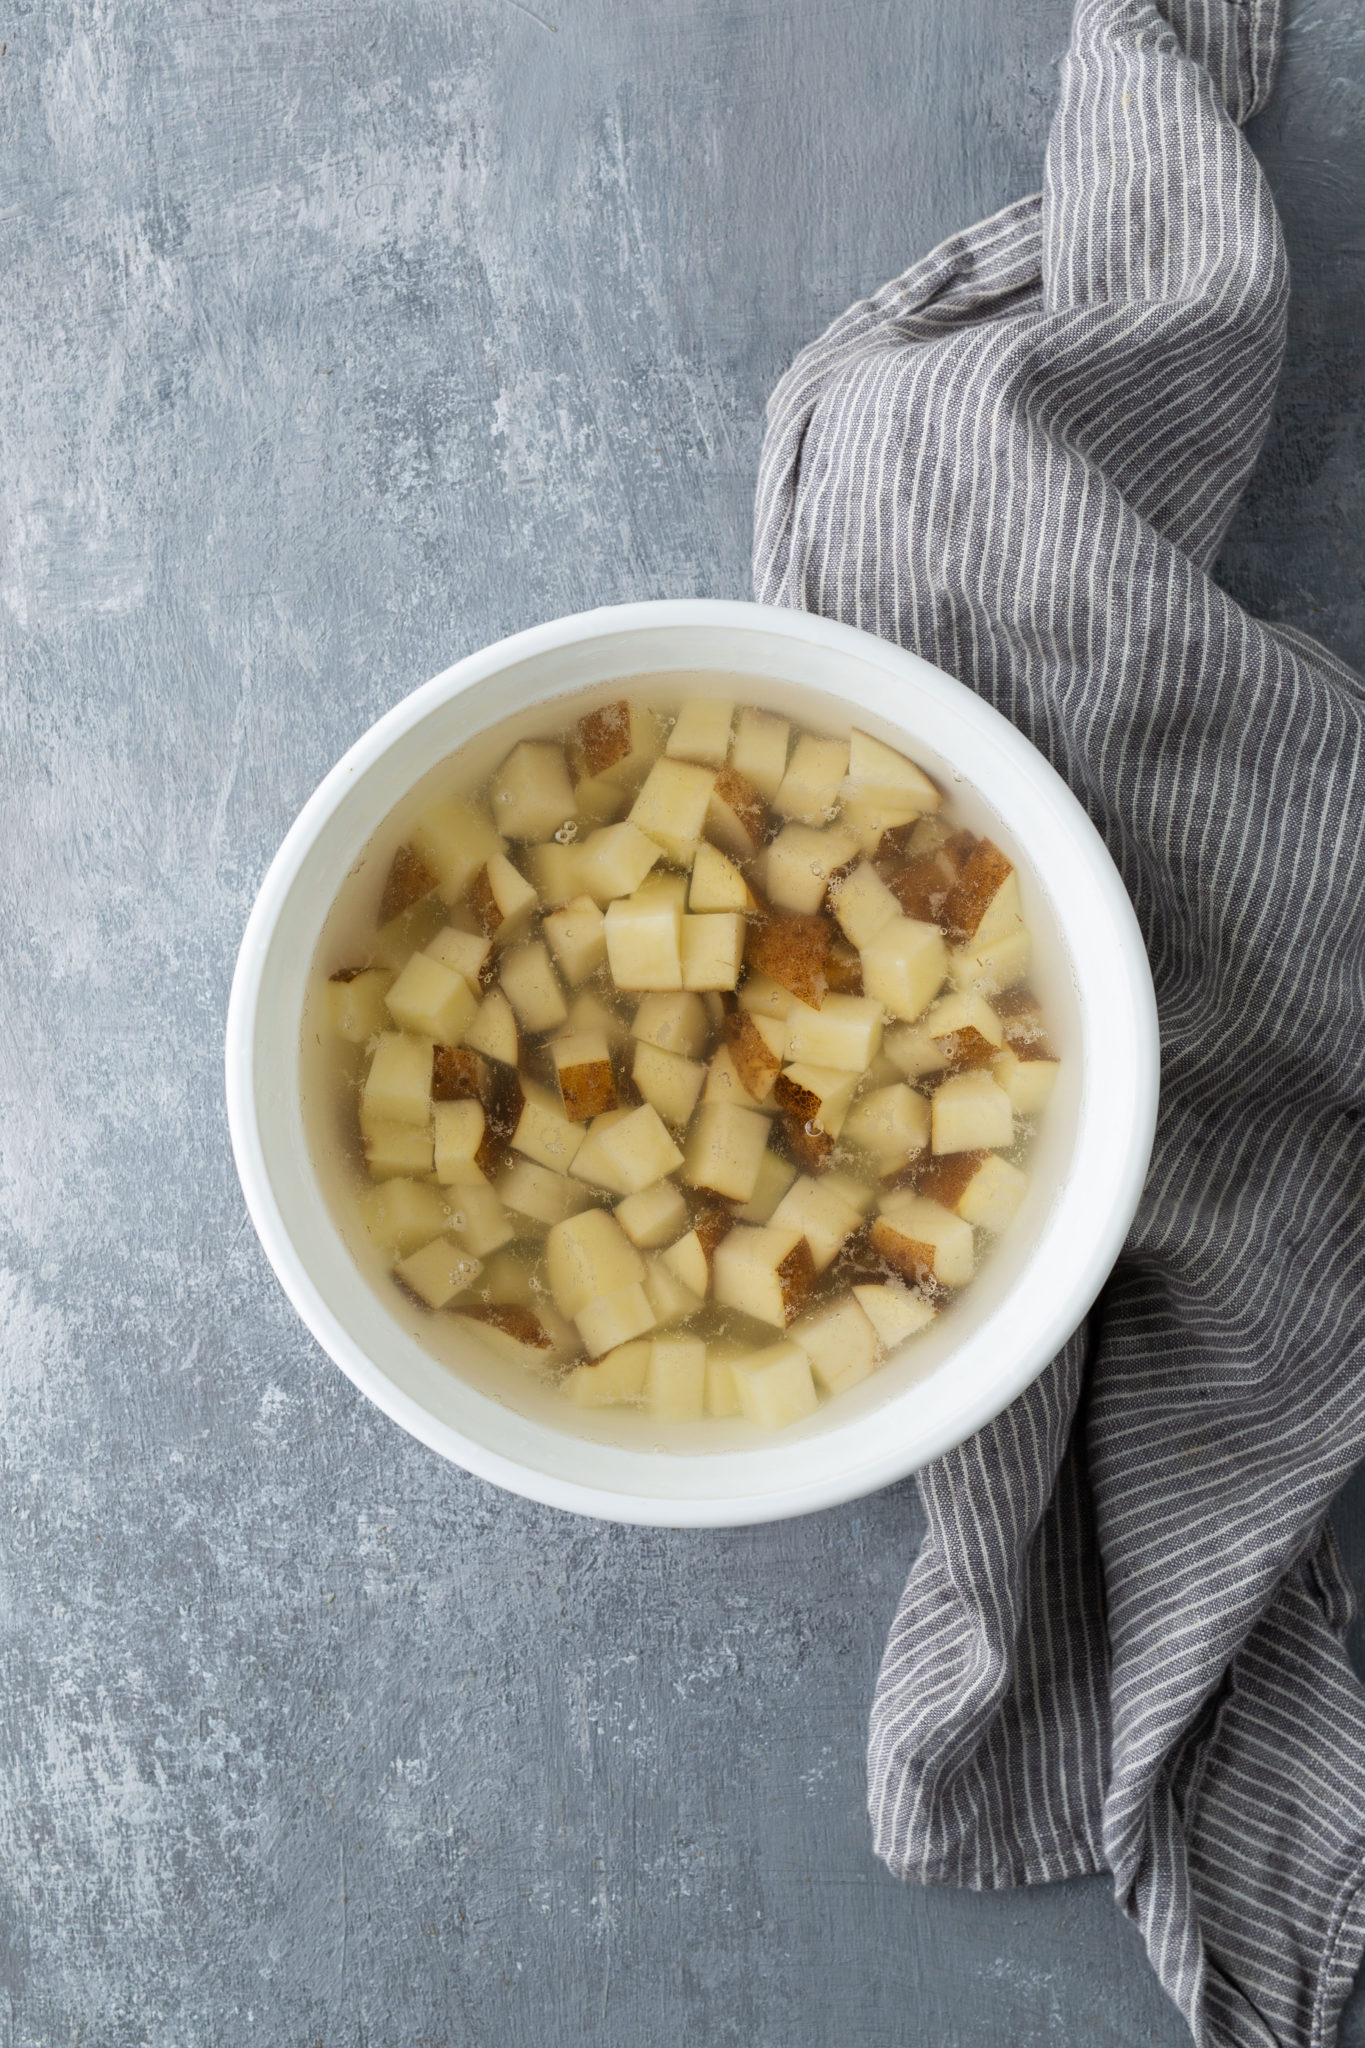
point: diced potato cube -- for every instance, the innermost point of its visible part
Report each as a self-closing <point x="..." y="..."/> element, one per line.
<point x="594" y="1164"/>
<point x="891" y="1125"/>
<point x="736" y="816"/>
<point x="600" y="800"/>
<point x="723" y="1084"/>
<point x="494" y="1030"/>
<point x="802" y="861"/>
<point x="544" y="1132"/>
<point x="766" y="1271"/>
<point x="670" y="1298"/>
<point x="871" y="816"/>
<point x="757" y="1044"/>
<point x="841" y="1344"/>
<point x="793" y="951"/>
<point x="589" y="1255"/>
<point x="555" y="871"/>
<point x="639" y="1149"/>
<point x="764" y="996"/>
<point x="392" y="944"/>
<point x="655" y="1216"/>
<point x="614" y="1381"/>
<point x="913" y="1051"/>
<point x="577" y="937"/>
<point x="531" y="987"/>
<point x="409" y="880"/>
<point x="775" y="1176"/>
<point x="850" y="1188"/>
<point x="501" y="900"/>
<point x="965" y="1029"/>
<point x="813" y="784"/>
<point x="895" y="1312"/>
<point x="724" y="1148"/>
<point x="821" y="1215"/>
<point x="469" y="953"/>
<point x="904" y="966"/>
<point x="584" y="1072"/>
<point x="675" y="1384"/>
<point x="722" y="1395"/>
<point x="971" y="1113"/>
<point x="612" y="1319"/>
<point x="356" y="1009"/>
<point x="440" y="1271"/>
<point x="535" y="1191"/>
<point x="614" y="862"/>
<point x="588" y="1012"/>
<point x="480" y="1219"/>
<point x="455" y="841"/>
<point x="923" y="1241"/>
<point x="459" y="1141"/>
<point x="392" y="1150"/>
<point x="672" y="805"/>
<point x="863" y="904"/>
<point x="873" y="766"/>
<point x="675" y="1023"/>
<point x="983" y="904"/>
<point x="397" y="1087"/>
<point x="980" y="1187"/>
<point x="644" y="934"/>
<point x="816" y="1095"/>
<point x="717" y="883"/>
<point x="402" y="1215"/>
<point x="701" y="731"/>
<point x="759" y="750"/>
<point x="991" y="968"/>
<point x="534" y="1338"/>
<point x="510" y="1276"/>
<point x="845" y="1032"/>
<point x="457" y="1074"/>
<point x="1026" y="1078"/>
<point x="618" y="740"/>
<point x="431" y="1000"/>
<point x="775" y="1387"/>
<point x="672" y="1085"/>
<point x="531" y="794"/>
<point x="712" y="950"/>
<point x="687" y="1258"/>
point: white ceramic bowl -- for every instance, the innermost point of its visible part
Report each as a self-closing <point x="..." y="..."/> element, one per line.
<point x="1088" y="1164"/>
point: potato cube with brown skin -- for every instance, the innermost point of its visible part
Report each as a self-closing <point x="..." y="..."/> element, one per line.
<point x="501" y="900"/>
<point x="614" y="862"/>
<point x="402" y="1215"/>
<point x="588" y="1012"/>
<point x="615" y="1380"/>
<point x="717" y="883"/>
<point x="970" y="1113"/>
<point x="723" y="1084"/>
<point x="722" y="1395"/>
<point x="873" y="766"/>
<point x="555" y="872"/>
<point x="801" y="864"/>
<point x="923" y="1241"/>
<point x="469" y="953"/>
<point x="396" y="1150"/>
<point x="356" y="1010"/>
<point x="544" y="1132"/>
<point x="533" y="1338"/>
<point x="894" y="1311"/>
<point x="757" y="1045"/>
<point x="531" y="795"/>
<point x="1021" y="1017"/>
<point x="701" y="731"/>
<point x="438" y="1272"/>
<point x="457" y="1074"/>
<point x="845" y="1032"/>
<point x="535" y="1191"/>
<point x="913" y="1051"/>
<point x="617" y="740"/>
<point x="454" y="841"/>
<point x="775" y="1387"/>
<point x="736" y="816"/>
<point x="712" y="950"/>
<point x="991" y="968"/>
<point x="655" y="1216"/>
<point x="841" y="1344"/>
<point x="494" y="1030"/>
<point x="578" y="939"/>
<point x="612" y="1319"/>
<point x="813" y="784"/>
<point x="531" y="987"/>
<point x="905" y="966"/>
<point x="983" y="904"/>
<point x="409" y="879"/>
<point x="862" y="903"/>
<point x="965" y="1029"/>
<point x="397" y="1087"/>
<point x="671" y="1084"/>
<point x="767" y="1272"/>
<point x="820" y="1095"/>
<point x="980" y="1187"/>
<point x="759" y="750"/>
<point x="583" y="1069"/>
<point x="644" y="935"/>
<point x="459" y="1143"/>
<point x="589" y="1255"/>
<point x="1027" y="1076"/>
<point x="638" y="1150"/>
<point x="890" y="1124"/>
<point x="775" y="1176"/>
<point x="675" y="1023"/>
<point x="671" y="807"/>
<point x="823" y="1216"/>
<point x="793" y="952"/>
<point x="675" y="1384"/>
<point x="688" y="1259"/>
<point x="725" y="1146"/>
<point x="479" y="1219"/>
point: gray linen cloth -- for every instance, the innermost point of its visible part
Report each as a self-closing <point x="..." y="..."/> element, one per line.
<point x="1120" y="1647"/>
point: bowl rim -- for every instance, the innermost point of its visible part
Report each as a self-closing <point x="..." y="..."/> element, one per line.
<point x="787" y="1499"/>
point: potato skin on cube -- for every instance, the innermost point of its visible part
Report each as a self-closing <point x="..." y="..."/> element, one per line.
<point x="923" y="1241"/>
<point x="792" y="951"/>
<point x="409" y="879"/>
<point x="584" y="1072"/>
<point x="767" y="1272"/>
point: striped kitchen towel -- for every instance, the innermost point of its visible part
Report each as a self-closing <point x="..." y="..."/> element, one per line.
<point x="1120" y="1647"/>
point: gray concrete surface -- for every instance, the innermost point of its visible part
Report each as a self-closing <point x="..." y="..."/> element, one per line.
<point x="336" y="340"/>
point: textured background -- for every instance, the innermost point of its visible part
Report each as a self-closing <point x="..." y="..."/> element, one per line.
<point x="335" y="341"/>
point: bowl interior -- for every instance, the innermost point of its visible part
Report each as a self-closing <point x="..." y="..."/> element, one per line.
<point x="1086" y="1163"/>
